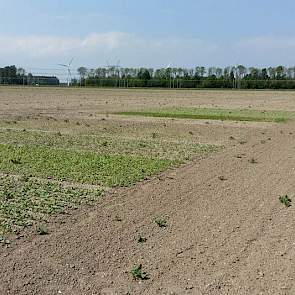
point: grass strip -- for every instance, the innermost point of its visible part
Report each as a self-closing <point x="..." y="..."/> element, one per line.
<point x="216" y="114"/>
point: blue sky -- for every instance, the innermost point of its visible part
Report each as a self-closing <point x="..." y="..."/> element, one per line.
<point x="147" y="33"/>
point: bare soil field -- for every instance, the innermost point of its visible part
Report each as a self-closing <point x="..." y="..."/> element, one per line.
<point x="179" y="206"/>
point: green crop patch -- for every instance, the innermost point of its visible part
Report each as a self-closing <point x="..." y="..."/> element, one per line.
<point x="107" y="145"/>
<point x="40" y="166"/>
<point x="79" y="166"/>
<point x="216" y="114"/>
<point x="24" y="201"/>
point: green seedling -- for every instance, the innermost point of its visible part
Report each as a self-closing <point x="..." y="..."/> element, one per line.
<point x="161" y="222"/>
<point x="42" y="230"/>
<point x="285" y="200"/>
<point x="15" y="161"/>
<point x="138" y="273"/>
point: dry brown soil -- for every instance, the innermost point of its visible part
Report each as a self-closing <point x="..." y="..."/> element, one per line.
<point x="227" y="232"/>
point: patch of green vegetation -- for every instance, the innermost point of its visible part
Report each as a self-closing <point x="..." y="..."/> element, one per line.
<point x="24" y="202"/>
<point x="285" y="200"/>
<point x="138" y="273"/>
<point x="83" y="166"/>
<point x="161" y="222"/>
<point x="157" y="148"/>
<point x="42" y="230"/>
<point x="216" y="114"/>
<point x="26" y="199"/>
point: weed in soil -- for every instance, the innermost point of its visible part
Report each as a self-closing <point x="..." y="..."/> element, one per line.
<point x="253" y="161"/>
<point x="222" y="178"/>
<point x="42" y="230"/>
<point x="285" y="200"/>
<point x="161" y="222"/>
<point x="141" y="239"/>
<point x="138" y="273"/>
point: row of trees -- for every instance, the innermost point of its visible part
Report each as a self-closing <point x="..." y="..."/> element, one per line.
<point x="279" y="77"/>
<point x="240" y="71"/>
<point x="199" y="77"/>
<point x="11" y="75"/>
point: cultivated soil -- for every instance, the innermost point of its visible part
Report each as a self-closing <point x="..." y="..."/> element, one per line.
<point x="226" y="233"/>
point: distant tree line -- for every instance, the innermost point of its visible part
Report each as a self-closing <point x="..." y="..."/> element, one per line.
<point x="241" y="77"/>
<point x="11" y="75"/>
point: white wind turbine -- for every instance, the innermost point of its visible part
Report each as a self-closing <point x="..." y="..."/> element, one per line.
<point x="169" y="66"/>
<point x="68" y="66"/>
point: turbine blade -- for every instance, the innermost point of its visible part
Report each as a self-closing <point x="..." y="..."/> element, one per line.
<point x="71" y="61"/>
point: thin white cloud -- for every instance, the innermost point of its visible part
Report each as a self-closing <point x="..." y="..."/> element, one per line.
<point x="47" y="46"/>
<point x="109" y="41"/>
<point x="98" y="47"/>
<point x="95" y="49"/>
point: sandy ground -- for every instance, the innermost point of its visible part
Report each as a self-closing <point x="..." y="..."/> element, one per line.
<point x="229" y="236"/>
<point x="78" y="102"/>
